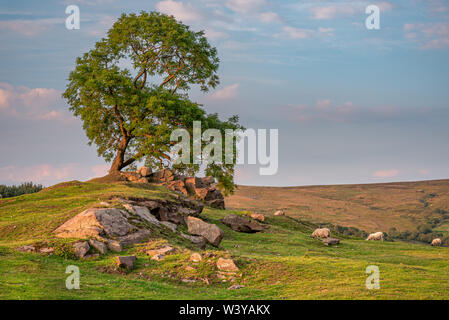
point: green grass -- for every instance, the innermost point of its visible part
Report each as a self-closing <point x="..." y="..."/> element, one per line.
<point x="280" y="263"/>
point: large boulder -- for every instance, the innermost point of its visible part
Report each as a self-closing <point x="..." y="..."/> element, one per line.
<point x="96" y="223"/>
<point x="126" y="262"/>
<point x="81" y="248"/>
<point x="242" y="224"/>
<point x="211" y="232"/>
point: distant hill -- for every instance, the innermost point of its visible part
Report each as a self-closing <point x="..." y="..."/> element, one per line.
<point x="369" y="207"/>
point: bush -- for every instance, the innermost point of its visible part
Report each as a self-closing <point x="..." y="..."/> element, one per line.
<point x="24" y="188"/>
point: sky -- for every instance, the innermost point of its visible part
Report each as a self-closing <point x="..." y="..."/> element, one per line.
<point x="351" y="105"/>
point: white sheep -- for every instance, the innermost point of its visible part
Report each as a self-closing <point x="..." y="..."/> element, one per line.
<point x="376" y="236"/>
<point x="436" y="242"/>
<point x="321" y="233"/>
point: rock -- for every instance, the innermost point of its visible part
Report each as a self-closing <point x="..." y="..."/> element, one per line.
<point x="47" y="250"/>
<point x="162" y="176"/>
<point x="131" y="176"/>
<point x="142" y="180"/>
<point x="126" y="262"/>
<point x="199" y="241"/>
<point x="258" y="216"/>
<point x="145" y="171"/>
<point x="104" y="203"/>
<point x="114" y="245"/>
<point x="195" y="257"/>
<point x="177" y="185"/>
<point x="235" y="287"/>
<point x="331" y="241"/>
<point x="164" y="250"/>
<point x="226" y="265"/>
<point x="100" y="246"/>
<point x="136" y="237"/>
<point x="81" y="248"/>
<point x="190" y="186"/>
<point x="95" y="223"/>
<point x="173" y="227"/>
<point x="204" y="182"/>
<point x="211" y="232"/>
<point x="158" y="257"/>
<point x="143" y="213"/>
<point x="189" y="268"/>
<point x="91" y="256"/>
<point x="26" y="249"/>
<point x="166" y="215"/>
<point x="279" y="213"/>
<point x="242" y="224"/>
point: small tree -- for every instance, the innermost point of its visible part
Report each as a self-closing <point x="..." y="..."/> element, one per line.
<point x="130" y="91"/>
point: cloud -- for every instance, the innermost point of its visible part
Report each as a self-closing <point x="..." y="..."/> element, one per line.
<point x="181" y="11"/>
<point x="215" y="35"/>
<point x="385" y="173"/>
<point x="269" y="17"/>
<point x="48" y="174"/>
<point x="295" y="33"/>
<point x="432" y="35"/>
<point x="324" y="109"/>
<point x="100" y="170"/>
<point x="246" y="6"/>
<point x="344" y="9"/>
<point x="36" y="103"/>
<point x="30" y="27"/>
<point x="226" y="93"/>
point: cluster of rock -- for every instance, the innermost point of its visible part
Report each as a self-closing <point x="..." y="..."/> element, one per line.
<point x="204" y="189"/>
<point x="113" y="228"/>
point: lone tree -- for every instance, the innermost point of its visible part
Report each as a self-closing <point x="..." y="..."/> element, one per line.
<point x="130" y="92"/>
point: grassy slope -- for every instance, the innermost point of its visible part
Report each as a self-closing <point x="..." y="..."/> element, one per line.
<point x="370" y="207"/>
<point x="282" y="263"/>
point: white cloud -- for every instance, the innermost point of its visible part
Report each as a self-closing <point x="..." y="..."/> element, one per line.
<point x="48" y="174"/>
<point x="226" y="93"/>
<point x="30" y="28"/>
<point x="181" y="11"/>
<point x="246" y="6"/>
<point x="295" y="33"/>
<point x="324" y="109"/>
<point x="434" y="35"/>
<point x="215" y="35"/>
<point x="37" y="103"/>
<point x="385" y="173"/>
<point x="269" y="17"/>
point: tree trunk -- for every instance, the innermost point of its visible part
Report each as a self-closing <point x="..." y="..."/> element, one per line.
<point x="119" y="160"/>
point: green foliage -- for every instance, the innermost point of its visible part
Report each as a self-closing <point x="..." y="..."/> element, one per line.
<point x="126" y="116"/>
<point x="24" y="188"/>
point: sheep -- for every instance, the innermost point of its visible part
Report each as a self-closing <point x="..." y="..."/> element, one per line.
<point x="376" y="236"/>
<point x="436" y="242"/>
<point x="321" y="233"/>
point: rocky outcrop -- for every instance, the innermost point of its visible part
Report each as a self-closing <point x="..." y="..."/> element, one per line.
<point x="242" y="224"/>
<point x="204" y="189"/>
<point x="211" y="232"/>
<point x="96" y="223"/>
<point x="198" y="240"/>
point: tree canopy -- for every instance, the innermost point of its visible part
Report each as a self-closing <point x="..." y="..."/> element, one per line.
<point x="130" y="91"/>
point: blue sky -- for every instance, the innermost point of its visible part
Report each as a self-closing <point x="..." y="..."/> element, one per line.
<point x="352" y="105"/>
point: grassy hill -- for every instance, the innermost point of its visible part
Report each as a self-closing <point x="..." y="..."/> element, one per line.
<point x="369" y="207"/>
<point x="280" y="263"/>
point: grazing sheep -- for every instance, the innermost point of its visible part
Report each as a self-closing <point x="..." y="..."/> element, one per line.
<point x="321" y="233"/>
<point x="376" y="236"/>
<point x="436" y="242"/>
